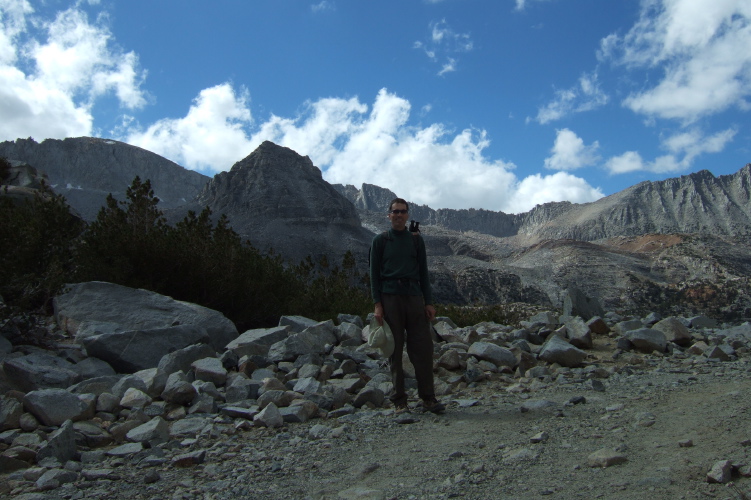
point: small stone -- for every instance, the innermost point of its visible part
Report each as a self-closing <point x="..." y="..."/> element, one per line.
<point x="720" y="472"/>
<point x="151" y="477"/>
<point x="606" y="457"/>
<point x="540" y="437"/>
<point x="189" y="459"/>
<point x="685" y="443"/>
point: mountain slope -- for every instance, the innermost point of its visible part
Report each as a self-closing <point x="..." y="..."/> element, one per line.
<point x="695" y="203"/>
<point x="86" y="169"/>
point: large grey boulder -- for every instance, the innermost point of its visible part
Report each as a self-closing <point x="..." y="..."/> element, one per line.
<point x="55" y="406"/>
<point x="96" y="385"/>
<point x="557" y="350"/>
<point x="178" y="389"/>
<point x="258" y="341"/>
<point x="675" y="331"/>
<point x="5" y="346"/>
<point x="499" y="356"/>
<point x="577" y="303"/>
<point x="578" y="332"/>
<point x="60" y="445"/>
<point x="296" y="324"/>
<point x="10" y="413"/>
<point x="40" y="370"/>
<point x="312" y="340"/>
<point x="92" y="367"/>
<point x="96" y="307"/>
<point x="153" y="432"/>
<point x="180" y="361"/>
<point x="210" y="370"/>
<point x="647" y="340"/>
<point x="135" y="350"/>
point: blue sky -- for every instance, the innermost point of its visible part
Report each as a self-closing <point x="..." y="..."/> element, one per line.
<point x="495" y="104"/>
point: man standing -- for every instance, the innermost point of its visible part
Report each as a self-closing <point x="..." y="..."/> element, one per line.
<point x="401" y="292"/>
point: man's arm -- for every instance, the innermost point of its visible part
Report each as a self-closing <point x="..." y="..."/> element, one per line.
<point x="375" y="269"/>
<point x="378" y="313"/>
<point x="375" y="277"/>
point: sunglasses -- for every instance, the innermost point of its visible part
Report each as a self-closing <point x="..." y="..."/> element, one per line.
<point x="398" y="211"/>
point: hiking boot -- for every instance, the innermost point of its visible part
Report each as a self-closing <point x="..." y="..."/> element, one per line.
<point x="401" y="408"/>
<point x="433" y="405"/>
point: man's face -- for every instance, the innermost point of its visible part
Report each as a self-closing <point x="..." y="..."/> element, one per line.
<point x="398" y="216"/>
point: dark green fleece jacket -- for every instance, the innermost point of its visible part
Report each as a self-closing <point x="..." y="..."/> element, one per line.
<point x="399" y="266"/>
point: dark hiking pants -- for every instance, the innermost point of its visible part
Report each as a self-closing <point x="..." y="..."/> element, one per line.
<point x="406" y="317"/>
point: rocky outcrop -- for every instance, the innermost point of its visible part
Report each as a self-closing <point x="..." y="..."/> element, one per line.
<point x="86" y="169"/>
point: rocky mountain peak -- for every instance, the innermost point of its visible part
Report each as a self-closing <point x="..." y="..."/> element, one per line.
<point x="277" y="183"/>
<point x="278" y="199"/>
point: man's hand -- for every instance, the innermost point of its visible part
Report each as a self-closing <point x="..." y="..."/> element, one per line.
<point x="430" y="312"/>
<point x="378" y="313"/>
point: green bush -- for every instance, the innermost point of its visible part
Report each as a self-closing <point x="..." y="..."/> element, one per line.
<point x="502" y="314"/>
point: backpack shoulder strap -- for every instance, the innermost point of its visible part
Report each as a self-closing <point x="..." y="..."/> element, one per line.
<point x="387" y="237"/>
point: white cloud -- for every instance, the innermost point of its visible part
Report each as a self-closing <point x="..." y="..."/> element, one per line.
<point x="426" y="165"/>
<point x="692" y="143"/>
<point x="703" y="46"/>
<point x="630" y="161"/>
<point x="444" y="45"/>
<point x="683" y="148"/>
<point x="521" y="4"/>
<point x="210" y="137"/>
<point x="322" y="6"/>
<point x="561" y="186"/>
<point x="448" y="67"/>
<point x="570" y="153"/>
<point x="585" y="96"/>
<point x="71" y="64"/>
<point x="355" y="144"/>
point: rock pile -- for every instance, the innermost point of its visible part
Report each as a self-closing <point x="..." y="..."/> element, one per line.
<point x="143" y="377"/>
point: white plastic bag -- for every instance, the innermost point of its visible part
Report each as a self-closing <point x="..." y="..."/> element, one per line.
<point x="380" y="337"/>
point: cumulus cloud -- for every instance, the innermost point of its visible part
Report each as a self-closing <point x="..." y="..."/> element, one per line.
<point x="538" y="189"/>
<point x="444" y="45"/>
<point x="209" y="138"/>
<point x="683" y="149"/>
<point x="703" y="46"/>
<point x="353" y="143"/>
<point x="586" y="95"/>
<point x="570" y="153"/>
<point x="52" y="73"/>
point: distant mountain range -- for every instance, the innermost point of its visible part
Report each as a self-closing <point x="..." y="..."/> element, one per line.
<point x="676" y="245"/>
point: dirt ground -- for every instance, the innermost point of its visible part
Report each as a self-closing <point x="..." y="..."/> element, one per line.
<point x="667" y="421"/>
